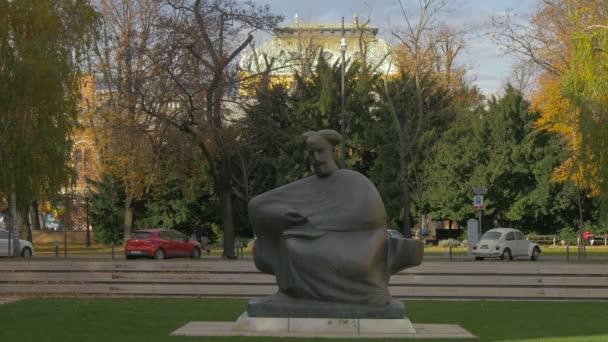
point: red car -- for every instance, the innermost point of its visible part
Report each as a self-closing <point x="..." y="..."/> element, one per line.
<point x="161" y="244"/>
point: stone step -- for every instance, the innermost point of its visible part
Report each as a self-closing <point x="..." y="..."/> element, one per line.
<point x="259" y="278"/>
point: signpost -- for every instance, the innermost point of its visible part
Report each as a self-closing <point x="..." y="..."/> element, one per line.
<point x="478" y="201"/>
<point x="478" y="192"/>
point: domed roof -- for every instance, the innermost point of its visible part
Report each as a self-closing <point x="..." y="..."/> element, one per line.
<point x="298" y="46"/>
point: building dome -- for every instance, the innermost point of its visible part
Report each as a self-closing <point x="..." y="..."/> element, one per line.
<point x="296" y="47"/>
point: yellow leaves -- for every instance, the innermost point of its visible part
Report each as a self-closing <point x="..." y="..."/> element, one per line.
<point x="580" y="173"/>
<point x="572" y="96"/>
<point x="557" y="113"/>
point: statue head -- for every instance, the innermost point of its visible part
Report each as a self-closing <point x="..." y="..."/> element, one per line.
<point x="320" y="147"/>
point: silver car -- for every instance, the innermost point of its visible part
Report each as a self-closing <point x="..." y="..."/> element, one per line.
<point x="506" y="244"/>
<point x="27" y="250"/>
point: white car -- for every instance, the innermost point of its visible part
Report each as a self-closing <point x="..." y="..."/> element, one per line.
<point x="27" y="250"/>
<point x="506" y="244"/>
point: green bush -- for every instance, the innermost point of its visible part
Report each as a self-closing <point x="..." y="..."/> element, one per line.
<point x="218" y="232"/>
<point x="569" y="235"/>
<point x="446" y="243"/>
<point x="106" y="209"/>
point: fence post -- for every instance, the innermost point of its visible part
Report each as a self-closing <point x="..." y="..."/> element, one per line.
<point x="56" y="249"/>
<point x="567" y="251"/>
<point x="112" y="249"/>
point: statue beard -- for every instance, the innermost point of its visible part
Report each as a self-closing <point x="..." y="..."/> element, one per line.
<point x="324" y="169"/>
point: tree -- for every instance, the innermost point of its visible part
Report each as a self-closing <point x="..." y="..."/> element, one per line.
<point x="43" y="47"/>
<point x="499" y="147"/>
<point x="132" y="141"/>
<point x="194" y="62"/>
<point x="106" y="209"/>
<point x="414" y="101"/>
<point x="558" y="39"/>
<point x="183" y="198"/>
<point x="585" y="86"/>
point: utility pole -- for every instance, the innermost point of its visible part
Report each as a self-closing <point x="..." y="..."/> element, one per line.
<point x="343" y="46"/>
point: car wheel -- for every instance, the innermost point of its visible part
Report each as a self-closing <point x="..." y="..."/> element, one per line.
<point x="535" y="254"/>
<point x="196" y="253"/>
<point x="159" y="254"/>
<point x="506" y="255"/>
<point x="479" y="258"/>
<point x="26" y="252"/>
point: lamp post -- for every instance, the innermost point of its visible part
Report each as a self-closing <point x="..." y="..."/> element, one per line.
<point x="343" y="46"/>
<point x="87" y="195"/>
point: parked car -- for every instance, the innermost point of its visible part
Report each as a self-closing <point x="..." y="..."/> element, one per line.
<point x="27" y="249"/>
<point x="161" y="244"/>
<point x="506" y="244"/>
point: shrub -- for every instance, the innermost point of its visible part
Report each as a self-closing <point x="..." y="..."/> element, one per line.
<point x="446" y="243"/>
<point x="569" y="235"/>
<point x="218" y="232"/>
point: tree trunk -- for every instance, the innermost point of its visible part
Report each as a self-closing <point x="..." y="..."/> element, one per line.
<point x="581" y="228"/>
<point x="129" y="213"/>
<point x="407" y="229"/>
<point x="405" y="219"/>
<point x="225" y="192"/>
<point x="14" y="228"/>
<point x="25" y="227"/>
<point x="34" y="215"/>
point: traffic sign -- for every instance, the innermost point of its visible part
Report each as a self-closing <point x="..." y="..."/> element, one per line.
<point x="478" y="201"/>
<point x="480" y="190"/>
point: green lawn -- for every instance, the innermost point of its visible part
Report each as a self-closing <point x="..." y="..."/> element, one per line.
<point x="98" y="249"/>
<point x="152" y="319"/>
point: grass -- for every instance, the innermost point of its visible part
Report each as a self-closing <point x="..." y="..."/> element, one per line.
<point x="99" y="249"/>
<point x="151" y="320"/>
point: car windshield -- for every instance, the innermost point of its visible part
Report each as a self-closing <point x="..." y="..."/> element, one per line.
<point x="490" y="236"/>
<point x="140" y="235"/>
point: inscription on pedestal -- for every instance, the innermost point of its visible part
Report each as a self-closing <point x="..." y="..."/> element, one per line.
<point x="324" y="325"/>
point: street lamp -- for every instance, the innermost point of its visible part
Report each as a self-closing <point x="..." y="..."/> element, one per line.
<point x="87" y="195"/>
<point x="343" y="46"/>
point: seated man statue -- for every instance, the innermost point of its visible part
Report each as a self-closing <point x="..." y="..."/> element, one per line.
<point x="325" y="239"/>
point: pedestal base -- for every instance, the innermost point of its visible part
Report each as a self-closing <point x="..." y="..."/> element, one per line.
<point x="281" y="305"/>
<point x="322" y="327"/>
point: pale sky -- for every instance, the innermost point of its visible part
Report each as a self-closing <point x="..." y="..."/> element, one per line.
<point x="488" y="67"/>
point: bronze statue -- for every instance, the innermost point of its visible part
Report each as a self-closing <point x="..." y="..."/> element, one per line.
<point x="325" y="239"/>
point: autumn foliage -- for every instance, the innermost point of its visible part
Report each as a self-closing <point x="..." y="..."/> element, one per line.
<point x="570" y="36"/>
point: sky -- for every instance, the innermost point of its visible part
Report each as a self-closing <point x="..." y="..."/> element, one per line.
<point x="489" y="66"/>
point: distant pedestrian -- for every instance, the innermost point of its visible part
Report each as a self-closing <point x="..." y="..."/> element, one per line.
<point x="202" y="236"/>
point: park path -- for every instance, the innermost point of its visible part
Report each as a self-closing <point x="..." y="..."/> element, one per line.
<point x="518" y="280"/>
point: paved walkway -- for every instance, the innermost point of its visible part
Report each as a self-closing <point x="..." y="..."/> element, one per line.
<point x="221" y="278"/>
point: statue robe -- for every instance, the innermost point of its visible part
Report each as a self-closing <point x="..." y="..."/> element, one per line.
<point x="325" y="239"/>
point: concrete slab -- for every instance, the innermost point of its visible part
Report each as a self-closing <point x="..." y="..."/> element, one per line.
<point x="6" y="300"/>
<point x="326" y="328"/>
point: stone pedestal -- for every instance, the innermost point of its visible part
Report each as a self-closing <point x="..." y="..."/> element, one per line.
<point x="323" y="328"/>
<point x="323" y="325"/>
<point x="281" y="305"/>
